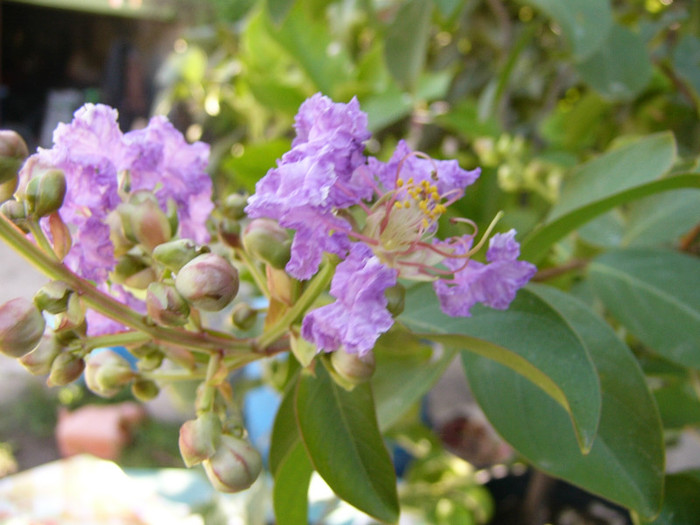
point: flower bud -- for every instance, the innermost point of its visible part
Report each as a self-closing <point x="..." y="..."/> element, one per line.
<point x="165" y="305"/>
<point x="7" y="189"/>
<point x="65" y="369"/>
<point x="143" y="220"/>
<point x="234" y="466"/>
<point x="230" y="233"/>
<point x="150" y="362"/>
<point x="16" y="212"/>
<point x="176" y="254"/>
<point x="243" y="316"/>
<point x="267" y="241"/>
<point x="234" y="206"/>
<point x="396" y="299"/>
<point x="106" y="373"/>
<point x="171" y="214"/>
<point x="144" y="389"/>
<point x="13" y="151"/>
<point x="38" y="361"/>
<point x="134" y="271"/>
<point x="208" y="281"/>
<point x="45" y="193"/>
<point x="21" y="327"/>
<point x="199" y="438"/>
<point x="53" y="297"/>
<point x="349" y="370"/>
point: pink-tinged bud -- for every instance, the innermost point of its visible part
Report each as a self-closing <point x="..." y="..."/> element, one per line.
<point x="106" y="373"/>
<point x="243" y="316"/>
<point x="38" y="361"/>
<point x="349" y="370"/>
<point x="65" y="369"/>
<point x="53" y="297"/>
<point x="165" y="305"/>
<point x="230" y="233"/>
<point x="396" y="299"/>
<point x="16" y="212"/>
<point x="199" y="438"/>
<point x="116" y="234"/>
<point x="234" y="206"/>
<point x="133" y="271"/>
<point x="143" y="220"/>
<point x="235" y="466"/>
<point x="176" y="254"/>
<point x="144" y="389"/>
<point x="13" y="151"/>
<point x="45" y="193"/>
<point x="267" y="241"/>
<point x="208" y="282"/>
<point x="21" y="327"/>
<point x="72" y="318"/>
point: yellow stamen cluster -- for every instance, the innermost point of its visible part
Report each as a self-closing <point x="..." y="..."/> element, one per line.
<point x="426" y="196"/>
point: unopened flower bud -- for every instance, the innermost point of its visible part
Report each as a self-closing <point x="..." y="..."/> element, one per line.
<point x="267" y="241"/>
<point x="65" y="369"/>
<point x="243" y="316"/>
<point x="234" y="206"/>
<point x="45" y="193"/>
<point x="208" y="281"/>
<point x="165" y="305"/>
<point x="230" y="233"/>
<point x="144" y="389"/>
<point x="132" y="270"/>
<point x="150" y="362"/>
<point x="53" y="297"/>
<point x="13" y="151"/>
<point x="106" y="373"/>
<point x="16" y="212"/>
<point x="199" y="438"/>
<point x="143" y="220"/>
<point x="176" y="254"/>
<point x="349" y="370"/>
<point x="396" y="299"/>
<point x="38" y="361"/>
<point x="21" y="327"/>
<point x="234" y="466"/>
<point x="171" y="214"/>
<point x="7" y="189"/>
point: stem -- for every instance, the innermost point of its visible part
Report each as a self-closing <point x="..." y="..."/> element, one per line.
<point x="255" y="272"/>
<point x="173" y="375"/>
<point x="312" y="291"/>
<point x="120" y="339"/>
<point x="206" y="401"/>
<point x="40" y="238"/>
<point x="107" y="305"/>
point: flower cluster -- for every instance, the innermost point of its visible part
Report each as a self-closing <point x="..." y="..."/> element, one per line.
<point x="389" y="233"/>
<point x="102" y="167"/>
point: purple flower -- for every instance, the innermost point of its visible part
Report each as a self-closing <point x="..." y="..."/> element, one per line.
<point x="359" y="314"/>
<point x="98" y="324"/>
<point x="494" y="284"/>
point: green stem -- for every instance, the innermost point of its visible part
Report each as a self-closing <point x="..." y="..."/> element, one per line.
<point x="41" y="239"/>
<point x="119" y="339"/>
<point x="309" y="295"/>
<point x="173" y="375"/>
<point x="198" y="341"/>
<point x="255" y="273"/>
<point x="206" y="400"/>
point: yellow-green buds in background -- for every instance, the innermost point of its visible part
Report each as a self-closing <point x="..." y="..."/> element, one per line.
<point x="208" y="282"/>
<point x="21" y="327"/>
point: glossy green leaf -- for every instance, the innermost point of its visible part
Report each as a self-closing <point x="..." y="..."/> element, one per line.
<point x="406" y="369"/>
<point x="655" y="294"/>
<point x="405" y="49"/>
<point x="621" y="68"/>
<point x="584" y="23"/>
<point x="681" y="502"/>
<point x="530" y="338"/>
<point x="679" y="405"/>
<point x="661" y="219"/>
<point x="285" y="435"/>
<point x="626" y="462"/>
<point x="290" y="494"/>
<point x="340" y="432"/>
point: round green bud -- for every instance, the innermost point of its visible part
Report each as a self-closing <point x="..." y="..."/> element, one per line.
<point x="165" y="305"/>
<point x="21" y="327"/>
<point x="230" y="233"/>
<point x="65" y="369"/>
<point x="176" y="254"/>
<point x="45" y="193"/>
<point x="243" y="316"/>
<point x="53" y="297"/>
<point x="13" y="151"/>
<point x="144" y="389"/>
<point x="199" y="438"/>
<point x="16" y="212"/>
<point x="106" y="373"/>
<point x="234" y="466"/>
<point x="7" y="189"/>
<point x="396" y="299"/>
<point x="38" y="361"/>
<point x="349" y="370"/>
<point x="234" y="206"/>
<point x="267" y="241"/>
<point x="134" y="271"/>
<point x="143" y="220"/>
<point x="208" y="282"/>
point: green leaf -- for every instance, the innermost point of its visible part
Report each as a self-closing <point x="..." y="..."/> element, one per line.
<point x="621" y="68"/>
<point x="584" y="23"/>
<point x="255" y="161"/>
<point x="464" y="119"/>
<point x="655" y="294"/>
<point x="290" y="494"/>
<point x="626" y="462"/>
<point x="448" y="7"/>
<point x="661" y="219"/>
<point x="681" y="503"/>
<point x="686" y="60"/>
<point x="406" y="42"/>
<point x="406" y="369"/>
<point x="285" y="435"/>
<point x="279" y="9"/>
<point x="340" y="432"/>
<point x="679" y="405"/>
<point x="530" y="338"/>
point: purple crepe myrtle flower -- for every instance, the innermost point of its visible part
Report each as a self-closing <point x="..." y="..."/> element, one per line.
<point x="392" y="233"/>
<point x="98" y="159"/>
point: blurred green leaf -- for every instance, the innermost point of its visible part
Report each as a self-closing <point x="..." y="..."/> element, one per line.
<point x="448" y="8"/>
<point x="464" y="119"/>
<point x="585" y="23"/>
<point x="406" y="41"/>
<point x="279" y="9"/>
<point x="686" y="60"/>
<point x="290" y="494"/>
<point x="621" y="68"/>
<point x="284" y="436"/>
<point x="679" y="405"/>
<point x="255" y="161"/>
<point x="626" y="462"/>
<point x="681" y="503"/>
<point x="655" y="294"/>
<point x="661" y="219"/>
<point x="340" y="432"/>
<point x="530" y="338"/>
